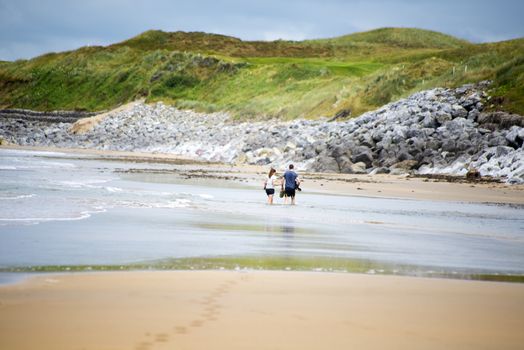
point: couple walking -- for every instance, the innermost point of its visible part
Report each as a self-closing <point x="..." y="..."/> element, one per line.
<point x="289" y="184"/>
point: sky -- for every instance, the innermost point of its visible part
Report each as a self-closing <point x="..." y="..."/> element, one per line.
<point x="29" y="28"/>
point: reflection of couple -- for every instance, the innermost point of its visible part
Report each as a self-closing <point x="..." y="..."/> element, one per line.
<point x="289" y="183"/>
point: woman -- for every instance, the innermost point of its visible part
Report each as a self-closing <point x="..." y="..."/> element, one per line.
<point x="269" y="185"/>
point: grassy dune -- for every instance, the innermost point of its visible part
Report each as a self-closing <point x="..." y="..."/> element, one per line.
<point x="251" y="79"/>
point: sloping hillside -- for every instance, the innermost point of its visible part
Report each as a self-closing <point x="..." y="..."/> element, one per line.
<point x="256" y="79"/>
<point x="403" y="38"/>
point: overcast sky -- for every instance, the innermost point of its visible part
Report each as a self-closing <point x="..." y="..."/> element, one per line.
<point x="32" y="27"/>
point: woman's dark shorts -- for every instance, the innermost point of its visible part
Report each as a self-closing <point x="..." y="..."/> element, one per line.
<point x="290" y="192"/>
<point x="270" y="191"/>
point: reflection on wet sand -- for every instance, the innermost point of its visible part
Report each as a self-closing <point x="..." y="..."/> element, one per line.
<point x="89" y="215"/>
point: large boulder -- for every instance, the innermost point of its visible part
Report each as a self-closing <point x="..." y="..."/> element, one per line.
<point x="405" y="165"/>
<point x="365" y="157"/>
<point x="325" y="164"/>
<point x="458" y="111"/>
<point x="358" y="168"/>
<point x="514" y="137"/>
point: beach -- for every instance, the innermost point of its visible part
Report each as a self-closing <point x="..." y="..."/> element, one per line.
<point x="379" y="185"/>
<point x="258" y="310"/>
<point x="344" y="175"/>
<point x="151" y="251"/>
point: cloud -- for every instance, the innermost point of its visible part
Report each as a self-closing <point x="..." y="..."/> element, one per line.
<point x="31" y="27"/>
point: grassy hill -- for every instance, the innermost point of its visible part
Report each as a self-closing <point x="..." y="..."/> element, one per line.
<point x="402" y="37"/>
<point x="260" y="79"/>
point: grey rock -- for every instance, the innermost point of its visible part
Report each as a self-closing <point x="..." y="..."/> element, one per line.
<point x="325" y="164"/>
<point x="513" y="137"/>
<point x="443" y="118"/>
<point x="405" y="165"/>
<point x="365" y="157"/>
<point x="458" y="111"/>
<point x="380" y="170"/>
<point x="359" y="168"/>
<point x="473" y="114"/>
<point x="448" y="145"/>
<point x="404" y="155"/>
<point x="345" y="165"/>
<point x="429" y="122"/>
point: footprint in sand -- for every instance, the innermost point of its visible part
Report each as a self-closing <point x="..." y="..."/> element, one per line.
<point x="197" y="323"/>
<point x="161" y="338"/>
<point x="220" y="291"/>
<point x="181" y="330"/>
<point x="212" y="308"/>
<point x="143" y="346"/>
<point x="210" y="313"/>
<point x="208" y="301"/>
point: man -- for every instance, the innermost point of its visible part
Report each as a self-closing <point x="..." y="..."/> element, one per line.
<point x="290" y="181"/>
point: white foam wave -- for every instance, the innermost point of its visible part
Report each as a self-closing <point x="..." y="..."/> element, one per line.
<point x="7" y="167"/>
<point x="151" y="193"/>
<point x="23" y="165"/>
<point x="178" y="203"/>
<point x="81" y="216"/>
<point x="193" y="195"/>
<point x="206" y="196"/>
<point x="22" y="196"/>
<point x="87" y="183"/>
<point x="47" y="164"/>
<point x="31" y="153"/>
<point x="113" y="189"/>
<point x="35" y="220"/>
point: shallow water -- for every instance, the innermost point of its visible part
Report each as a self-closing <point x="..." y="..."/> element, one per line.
<point x="63" y="209"/>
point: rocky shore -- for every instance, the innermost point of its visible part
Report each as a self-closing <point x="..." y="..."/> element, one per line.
<point x="438" y="131"/>
<point x="50" y="117"/>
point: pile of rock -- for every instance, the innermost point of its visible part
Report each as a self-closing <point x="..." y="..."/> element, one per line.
<point x="431" y="132"/>
<point x="50" y="117"/>
<point x="435" y="131"/>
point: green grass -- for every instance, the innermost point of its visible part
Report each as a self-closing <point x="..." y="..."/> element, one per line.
<point x="254" y="79"/>
<point x="402" y="37"/>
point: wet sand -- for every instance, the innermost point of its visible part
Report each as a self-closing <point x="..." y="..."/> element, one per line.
<point x="258" y="310"/>
<point x="380" y="186"/>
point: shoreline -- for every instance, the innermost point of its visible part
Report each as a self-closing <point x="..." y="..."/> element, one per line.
<point x="258" y="310"/>
<point x="272" y="264"/>
<point x="376" y="186"/>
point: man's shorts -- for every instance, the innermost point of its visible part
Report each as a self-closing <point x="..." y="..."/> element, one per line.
<point x="290" y="192"/>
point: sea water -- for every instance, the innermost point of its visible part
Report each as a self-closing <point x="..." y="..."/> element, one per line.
<point x="65" y="209"/>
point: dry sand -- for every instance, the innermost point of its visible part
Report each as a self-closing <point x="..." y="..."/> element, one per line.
<point x="258" y="310"/>
<point x="381" y="186"/>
